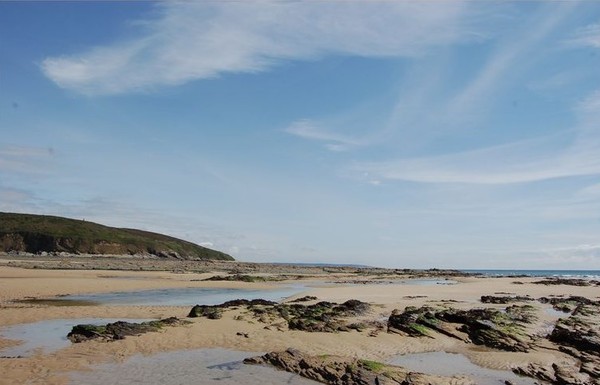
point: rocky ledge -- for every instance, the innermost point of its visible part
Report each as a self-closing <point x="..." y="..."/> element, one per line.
<point x="504" y="299"/>
<point x="119" y="330"/>
<point x="504" y="330"/>
<point x="320" y="317"/>
<point x="568" y="281"/>
<point x="337" y="370"/>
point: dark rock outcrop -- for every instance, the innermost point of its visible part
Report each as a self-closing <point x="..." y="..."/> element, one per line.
<point x="118" y="330"/>
<point x="581" y="330"/>
<point x="216" y="311"/>
<point x="320" y="317"/>
<point x="306" y="298"/>
<point x="336" y="370"/>
<point x="495" y="299"/>
<point x="559" y="374"/>
<point x="502" y="330"/>
<point x="566" y="304"/>
<point x="242" y="278"/>
<point x="579" y="336"/>
<point x="568" y="281"/>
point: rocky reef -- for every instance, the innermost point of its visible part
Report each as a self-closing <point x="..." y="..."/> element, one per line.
<point x="504" y="330"/>
<point x="568" y="281"/>
<point x="579" y="336"/>
<point x="216" y="311"/>
<point x="337" y="370"/>
<point x="504" y="299"/>
<point x="119" y="330"/>
<point x="320" y="317"/>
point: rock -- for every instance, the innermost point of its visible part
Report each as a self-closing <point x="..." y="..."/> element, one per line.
<point x="415" y="322"/>
<point x="216" y="311"/>
<point x="242" y="278"/>
<point x="337" y="370"/>
<point x="567" y="375"/>
<point x="566" y="304"/>
<point x="579" y="336"/>
<point x="489" y="327"/>
<point x="559" y="374"/>
<point x="568" y="281"/>
<point x="307" y="298"/>
<point x="118" y="330"/>
<point x="538" y="371"/>
<point x="320" y="317"/>
<point x="581" y="330"/>
<point x="504" y="299"/>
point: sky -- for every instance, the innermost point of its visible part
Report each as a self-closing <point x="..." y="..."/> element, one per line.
<point x="409" y="134"/>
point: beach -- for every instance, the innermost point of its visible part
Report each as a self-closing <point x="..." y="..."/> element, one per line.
<point x="238" y="331"/>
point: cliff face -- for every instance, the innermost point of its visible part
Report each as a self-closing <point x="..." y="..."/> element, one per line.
<point x="39" y="233"/>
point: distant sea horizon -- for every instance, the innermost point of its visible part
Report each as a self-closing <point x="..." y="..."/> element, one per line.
<point x="587" y="274"/>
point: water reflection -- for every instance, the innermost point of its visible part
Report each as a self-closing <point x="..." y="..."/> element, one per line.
<point x="202" y="366"/>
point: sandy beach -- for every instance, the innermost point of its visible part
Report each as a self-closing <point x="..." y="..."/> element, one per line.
<point x="235" y="330"/>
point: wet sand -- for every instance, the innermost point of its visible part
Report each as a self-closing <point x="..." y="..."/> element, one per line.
<point x="55" y="367"/>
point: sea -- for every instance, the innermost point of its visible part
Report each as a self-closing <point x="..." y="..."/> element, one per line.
<point x="583" y="274"/>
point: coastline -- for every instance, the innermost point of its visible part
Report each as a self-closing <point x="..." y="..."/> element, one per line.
<point x="377" y="287"/>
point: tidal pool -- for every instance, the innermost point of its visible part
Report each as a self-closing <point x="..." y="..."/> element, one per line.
<point x="450" y="364"/>
<point x="201" y="366"/>
<point x="46" y="336"/>
<point x="189" y="296"/>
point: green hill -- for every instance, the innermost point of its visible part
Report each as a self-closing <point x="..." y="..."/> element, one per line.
<point x="42" y="233"/>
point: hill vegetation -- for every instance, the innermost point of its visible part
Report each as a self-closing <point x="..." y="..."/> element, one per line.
<point x="41" y="233"/>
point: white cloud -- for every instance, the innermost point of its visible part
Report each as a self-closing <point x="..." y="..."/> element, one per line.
<point x="525" y="161"/>
<point x="567" y="154"/>
<point x="589" y="192"/>
<point x="198" y="40"/>
<point x="591" y="104"/>
<point x="584" y="252"/>
<point x="588" y="36"/>
<point x="308" y="129"/>
<point x="510" y="56"/>
<point x="24" y="159"/>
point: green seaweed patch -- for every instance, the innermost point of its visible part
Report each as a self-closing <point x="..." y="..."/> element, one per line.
<point x="418" y="328"/>
<point x="373" y="366"/>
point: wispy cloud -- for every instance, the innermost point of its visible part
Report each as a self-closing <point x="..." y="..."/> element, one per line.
<point x="23" y="159"/>
<point x="591" y="104"/>
<point x="525" y="161"/>
<point x="308" y="129"/>
<point x="199" y="40"/>
<point x="588" y="36"/>
<point x="515" y="49"/>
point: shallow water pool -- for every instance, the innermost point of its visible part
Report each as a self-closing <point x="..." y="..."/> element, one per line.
<point x="201" y="366"/>
<point x="46" y="336"/>
<point x="189" y="296"/>
<point x="450" y="364"/>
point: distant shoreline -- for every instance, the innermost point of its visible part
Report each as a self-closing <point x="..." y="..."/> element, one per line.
<point x="69" y="261"/>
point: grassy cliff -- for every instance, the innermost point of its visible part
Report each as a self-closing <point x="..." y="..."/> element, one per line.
<point x="42" y="233"/>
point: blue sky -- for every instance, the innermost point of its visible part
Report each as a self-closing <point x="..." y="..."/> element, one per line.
<point x="456" y="134"/>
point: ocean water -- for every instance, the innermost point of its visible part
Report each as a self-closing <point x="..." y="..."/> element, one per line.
<point x="585" y="274"/>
